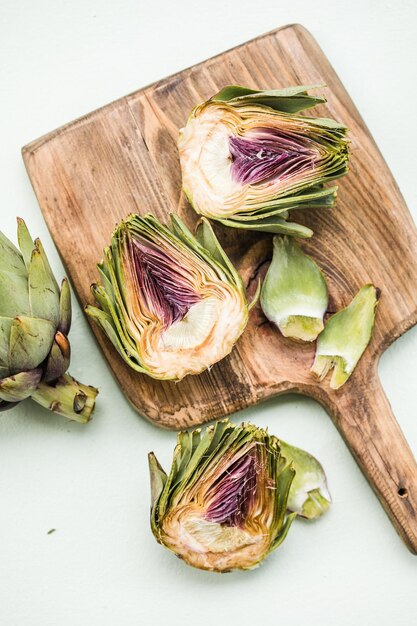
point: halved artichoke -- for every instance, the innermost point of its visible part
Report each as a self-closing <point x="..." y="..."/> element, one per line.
<point x="172" y="304"/>
<point x="247" y="158"/>
<point x="35" y="318"/>
<point x="231" y="495"/>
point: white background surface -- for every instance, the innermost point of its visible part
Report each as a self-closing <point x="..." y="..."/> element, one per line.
<point x="59" y="60"/>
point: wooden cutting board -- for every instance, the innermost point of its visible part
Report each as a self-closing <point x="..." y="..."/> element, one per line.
<point x="123" y="158"/>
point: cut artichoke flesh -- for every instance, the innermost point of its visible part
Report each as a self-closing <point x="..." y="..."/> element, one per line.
<point x="171" y="303"/>
<point x="294" y="294"/>
<point x="229" y="499"/>
<point x="246" y="156"/>
<point x="345" y="337"/>
<point x="35" y="318"/>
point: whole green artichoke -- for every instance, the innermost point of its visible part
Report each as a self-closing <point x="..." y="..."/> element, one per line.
<point x="35" y="318"/>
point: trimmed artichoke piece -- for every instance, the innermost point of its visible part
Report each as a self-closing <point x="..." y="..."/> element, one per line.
<point x="35" y="318"/>
<point x="309" y="495"/>
<point x="247" y="158"/>
<point x="172" y="304"/>
<point x="294" y="294"/>
<point x="345" y="337"/>
<point x="226" y="503"/>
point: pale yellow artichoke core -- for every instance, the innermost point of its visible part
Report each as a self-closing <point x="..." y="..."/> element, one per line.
<point x="211" y="546"/>
<point x="204" y="336"/>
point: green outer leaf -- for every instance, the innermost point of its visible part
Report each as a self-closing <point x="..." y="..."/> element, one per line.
<point x="25" y="240"/>
<point x="14" y="297"/>
<point x="114" y="334"/>
<point x="309" y="496"/>
<point x="158" y="478"/>
<point x="205" y="235"/>
<point x="30" y="342"/>
<point x="5" y="328"/>
<point x="43" y="288"/>
<point x="255" y="296"/>
<point x="20" y="386"/>
<point x="10" y="258"/>
<point x="65" y="312"/>
<point x="294" y="293"/>
<point x="289" y="100"/>
<point x="269" y="225"/>
<point x="345" y="337"/>
<point x="58" y="360"/>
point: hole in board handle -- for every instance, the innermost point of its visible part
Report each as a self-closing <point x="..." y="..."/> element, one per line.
<point x="402" y="492"/>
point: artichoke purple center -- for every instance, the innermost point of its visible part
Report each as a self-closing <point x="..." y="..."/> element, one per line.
<point x="234" y="493"/>
<point x="265" y="154"/>
<point x="163" y="283"/>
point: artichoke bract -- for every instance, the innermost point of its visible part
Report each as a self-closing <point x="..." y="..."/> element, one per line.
<point x="345" y="337"/>
<point x="294" y="294"/>
<point x="35" y="318"/>
<point x="247" y="158"/>
<point x="231" y="495"/>
<point x="172" y="304"/>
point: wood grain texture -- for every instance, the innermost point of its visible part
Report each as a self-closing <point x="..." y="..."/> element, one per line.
<point x="123" y="158"/>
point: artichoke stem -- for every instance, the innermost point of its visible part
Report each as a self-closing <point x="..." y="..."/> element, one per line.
<point x="67" y="397"/>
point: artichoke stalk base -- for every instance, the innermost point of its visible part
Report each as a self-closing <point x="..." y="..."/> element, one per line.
<point x="232" y="495"/>
<point x="35" y="319"/>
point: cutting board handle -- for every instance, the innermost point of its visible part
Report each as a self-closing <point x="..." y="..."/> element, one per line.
<point x="364" y="417"/>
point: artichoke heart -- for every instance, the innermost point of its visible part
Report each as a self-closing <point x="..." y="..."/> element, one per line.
<point x="35" y="319"/>
<point x="294" y="294"/>
<point x="231" y="495"/>
<point x="172" y="304"/>
<point x="247" y="158"/>
<point x="345" y="337"/>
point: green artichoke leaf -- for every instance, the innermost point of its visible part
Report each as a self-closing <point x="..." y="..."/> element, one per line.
<point x="11" y="261"/>
<point x="206" y="236"/>
<point x="158" y="478"/>
<point x="283" y="532"/>
<point x="114" y="332"/>
<point x="309" y="496"/>
<point x="58" y="359"/>
<point x="294" y="293"/>
<point x="65" y="308"/>
<point x="345" y="337"/>
<point x="31" y="339"/>
<point x="20" y="386"/>
<point x="26" y="243"/>
<point x="14" y="296"/>
<point x="270" y="225"/>
<point x="5" y="328"/>
<point x="288" y="100"/>
<point x="43" y="288"/>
